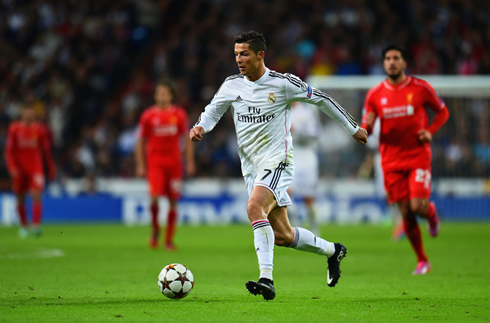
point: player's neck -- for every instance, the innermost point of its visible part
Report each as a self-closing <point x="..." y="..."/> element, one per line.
<point x="163" y="106"/>
<point x="258" y="74"/>
<point x="395" y="80"/>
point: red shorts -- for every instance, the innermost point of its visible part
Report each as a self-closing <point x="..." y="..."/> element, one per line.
<point x="165" y="181"/>
<point x="25" y="182"/>
<point x="407" y="184"/>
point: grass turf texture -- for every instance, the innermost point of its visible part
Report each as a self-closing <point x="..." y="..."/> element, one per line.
<point x="107" y="273"/>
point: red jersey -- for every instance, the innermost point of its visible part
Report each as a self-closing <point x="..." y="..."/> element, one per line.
<point x="163" y="129"/>
<point x="401" y="109"/>
<point x="26" y="143"/>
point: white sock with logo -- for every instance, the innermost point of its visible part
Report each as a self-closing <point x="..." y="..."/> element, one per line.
<point x="305" y="240"/>
<point x="264" y="246"/>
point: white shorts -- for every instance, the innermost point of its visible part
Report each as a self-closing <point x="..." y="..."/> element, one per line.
<point x="306" y="175"/>
<point x="274" y="175"/>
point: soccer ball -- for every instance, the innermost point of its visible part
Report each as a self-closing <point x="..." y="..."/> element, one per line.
<point x="175" y="281"/>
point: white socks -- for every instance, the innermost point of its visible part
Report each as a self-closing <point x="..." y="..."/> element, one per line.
<point x="264" y="246"/>
<point x="305" y="240"/>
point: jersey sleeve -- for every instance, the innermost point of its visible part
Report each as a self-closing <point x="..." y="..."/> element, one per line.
<point x="214" y="110"/>
<point x="297" y="90"/>
<point x="431" y="99"/>
<point x="46" y="145"/>
<point x="183" y="123"/>
<point x="143" y="130"/>
<point x="367" y="108"/>
<point x="10" y="149"/>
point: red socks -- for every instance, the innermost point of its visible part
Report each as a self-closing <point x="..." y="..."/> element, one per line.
<point x="37" y="212"/>
<point x="21" y="211"/>
<point x="154" y="217"/>
<point x="171" y="221"/>
<point x="412" y="230"/>
<point x="432" y="210"/>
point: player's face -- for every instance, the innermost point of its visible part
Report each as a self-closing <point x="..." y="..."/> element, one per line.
<point x="28" y="115"/>
<point x="248" y="61"/>
<point x="163" y="96"/>
<point x="394" y="63"/>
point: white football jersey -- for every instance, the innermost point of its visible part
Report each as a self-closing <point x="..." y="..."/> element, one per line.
<point x="262" y="114"/>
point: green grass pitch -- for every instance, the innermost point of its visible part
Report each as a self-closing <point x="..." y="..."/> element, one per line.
<point x="106" y="273"/>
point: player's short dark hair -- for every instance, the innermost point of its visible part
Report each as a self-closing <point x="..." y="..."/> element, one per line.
<point x="169" y="85"/>
<point x="402" y="51"/>
<point x="254" y="39"/>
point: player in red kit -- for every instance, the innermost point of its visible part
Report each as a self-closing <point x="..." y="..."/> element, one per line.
<point x="27" y="142"/>
<point x="400" y="103"/>
<point x="163" y="128"/>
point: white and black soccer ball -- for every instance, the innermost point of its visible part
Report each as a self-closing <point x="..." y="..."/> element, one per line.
<point x="175" y="281"/>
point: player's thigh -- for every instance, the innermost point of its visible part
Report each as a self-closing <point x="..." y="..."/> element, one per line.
<point x="260" y="203"/>
<point x="420" y="183"/>
<point x="397" y="186"/>
<point x="173" y="181"/>
<point x="20" y="183"/>
<point x="156" y="180"/>
<point x="275" y="175"/>
<point x="283" y="232"/>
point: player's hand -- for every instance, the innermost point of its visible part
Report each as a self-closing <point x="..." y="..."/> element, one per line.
<point x="140" y="171"/>
<point x="196" y="133"/>
<point x="361" y="136"/>
<point x="425" y="136"/>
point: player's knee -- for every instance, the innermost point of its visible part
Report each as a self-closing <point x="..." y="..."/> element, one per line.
<point x="283" y="239"/>
<point x="255" y="211"/>
<point x="419" y="207"/>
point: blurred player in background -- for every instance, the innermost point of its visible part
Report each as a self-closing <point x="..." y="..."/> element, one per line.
<point x="261" y="100"/>
<point x="163" y="129"/>
<point x="399" y="102"/>
<point x="305" y="130"/>
<point x="28" y="142"/>
<point x="372" y="166"/>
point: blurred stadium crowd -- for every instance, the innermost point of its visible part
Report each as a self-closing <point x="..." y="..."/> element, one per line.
<point x="89" y="68"/>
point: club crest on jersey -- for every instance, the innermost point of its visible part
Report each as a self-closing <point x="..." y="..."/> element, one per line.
<point x="384" y="101"/>
<point x="409" y="98"/>
<point x="272" y="98"/>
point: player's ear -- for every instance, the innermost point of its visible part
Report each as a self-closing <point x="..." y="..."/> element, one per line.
<point x="261" y="54"/>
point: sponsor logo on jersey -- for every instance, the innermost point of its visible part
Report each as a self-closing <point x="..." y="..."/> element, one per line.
<point x="238" y="99"/>
<point x="251" y="118"/>
<point x="165" y="130"/>
<point x="272" y="98"/>
<point x="397" y="112"/>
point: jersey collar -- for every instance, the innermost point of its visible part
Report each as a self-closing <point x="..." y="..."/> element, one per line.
<point x="261" y="79"/>
<point x="398" y="86"/>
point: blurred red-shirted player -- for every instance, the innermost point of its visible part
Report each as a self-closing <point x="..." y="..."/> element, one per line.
<point x="27" y="142"/>
<point x="404" y="144"/>
<point x="163" y="129"/>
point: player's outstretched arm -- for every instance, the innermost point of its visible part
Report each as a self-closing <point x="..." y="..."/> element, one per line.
<point x="196" y="133"/>
<point x="140" y="159"/>
<point x="361" y="136"/>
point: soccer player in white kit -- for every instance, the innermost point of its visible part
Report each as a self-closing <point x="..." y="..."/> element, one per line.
<point x="305" y="129"/>
<point x="260" y="101"/>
